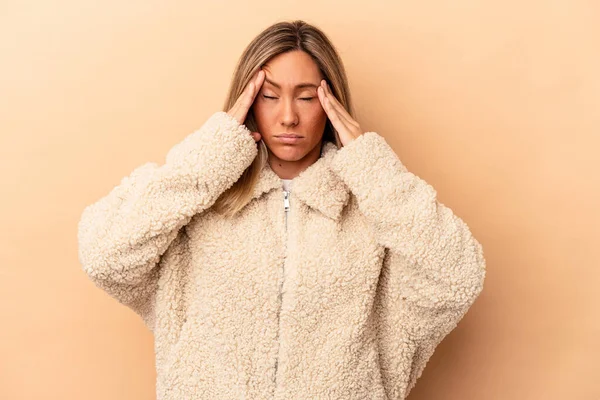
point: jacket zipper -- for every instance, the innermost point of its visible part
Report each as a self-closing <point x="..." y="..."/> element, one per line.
<point x="286" y="209"/>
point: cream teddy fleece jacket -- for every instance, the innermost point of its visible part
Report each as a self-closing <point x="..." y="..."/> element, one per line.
<point x="348" y="301"/>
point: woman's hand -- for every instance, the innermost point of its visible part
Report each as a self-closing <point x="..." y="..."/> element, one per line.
<point x="347" y="128"/>
<point x="240" y="109"/>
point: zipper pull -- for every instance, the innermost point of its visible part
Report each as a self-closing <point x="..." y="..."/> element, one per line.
<point x="286" y="200"/>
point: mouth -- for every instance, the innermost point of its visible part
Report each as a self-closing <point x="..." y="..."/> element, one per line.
<point x="288" y="138"/>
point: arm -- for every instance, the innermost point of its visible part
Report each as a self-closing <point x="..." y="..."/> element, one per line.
<point x="123" y="235"/>
<point x="434" y="268"/>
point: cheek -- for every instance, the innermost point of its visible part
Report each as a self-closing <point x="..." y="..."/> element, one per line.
<point x="265" y="107"/>
<point x="262" y="114"/>
<point x="311" y="113"/>
<point x="313" y="109"/>
<point x="315" y="114"/>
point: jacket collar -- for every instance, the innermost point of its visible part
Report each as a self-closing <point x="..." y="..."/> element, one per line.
<point x="317" y="186"/>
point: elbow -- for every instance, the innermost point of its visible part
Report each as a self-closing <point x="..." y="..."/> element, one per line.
<point x="473" y="275"/>
<point x="464" y="276"/>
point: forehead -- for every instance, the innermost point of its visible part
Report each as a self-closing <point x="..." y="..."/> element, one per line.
<point x="292" y="70"/>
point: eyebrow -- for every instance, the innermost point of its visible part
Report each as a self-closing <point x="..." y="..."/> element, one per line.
<point x="298" y="86"/>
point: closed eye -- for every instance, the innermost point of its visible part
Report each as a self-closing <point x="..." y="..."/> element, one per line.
<point x="302" y="98"/>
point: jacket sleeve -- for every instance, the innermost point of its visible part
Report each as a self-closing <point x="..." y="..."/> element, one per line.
<point x="122" y="236"/>
<point x="433" y="268"/>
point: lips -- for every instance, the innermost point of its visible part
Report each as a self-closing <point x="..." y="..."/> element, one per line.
<point x="289" y="138"/>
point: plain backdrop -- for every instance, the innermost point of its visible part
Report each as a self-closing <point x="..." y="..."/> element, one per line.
<point x="494" y="103"/>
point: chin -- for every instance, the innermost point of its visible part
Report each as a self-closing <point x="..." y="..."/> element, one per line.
<point x="289" y="153"/>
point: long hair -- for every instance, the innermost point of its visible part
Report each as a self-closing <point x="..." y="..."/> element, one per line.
<point x="280" y="38"/>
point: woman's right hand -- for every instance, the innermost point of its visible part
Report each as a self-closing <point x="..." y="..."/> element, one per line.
<point x="246" y="99"/>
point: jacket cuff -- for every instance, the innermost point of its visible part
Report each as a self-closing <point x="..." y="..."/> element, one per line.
<point x="218" y="152"/>
<point x="370" y="168"/>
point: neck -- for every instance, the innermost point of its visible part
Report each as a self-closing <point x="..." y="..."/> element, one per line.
<point x="290" y="169"/>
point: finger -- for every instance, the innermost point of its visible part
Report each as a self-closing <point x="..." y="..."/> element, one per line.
<point x="256" y="81"/>
<point x="326" y="104"/>
<point x="248" y="91"/>
<point x="339" y="123"/>
<point x="249" y="94"/>
<point x="253" y="88"/>
<point x="337" y="105"/>
<point x="260" y="78"/>
<point x="245" y="100"/>
<point x="340" y="108"/>
<point x="333" y="112"/>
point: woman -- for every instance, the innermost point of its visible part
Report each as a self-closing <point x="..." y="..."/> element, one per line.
<point x="311" y="267"/>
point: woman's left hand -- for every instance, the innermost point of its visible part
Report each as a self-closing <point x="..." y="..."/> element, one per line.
<point x="348" y="129"/>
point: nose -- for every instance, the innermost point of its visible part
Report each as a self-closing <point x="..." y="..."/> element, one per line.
<point x="289" y="116"/>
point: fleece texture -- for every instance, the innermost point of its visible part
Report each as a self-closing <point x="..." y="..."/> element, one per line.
<point x="349" y="302"/>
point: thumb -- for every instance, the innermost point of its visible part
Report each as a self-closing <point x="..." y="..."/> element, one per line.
<point x="256" y="136"/>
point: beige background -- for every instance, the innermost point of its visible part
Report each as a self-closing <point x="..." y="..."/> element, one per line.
<point x="496" y="104"/>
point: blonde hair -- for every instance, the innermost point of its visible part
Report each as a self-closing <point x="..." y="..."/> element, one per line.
<point x="280" y="38"/>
